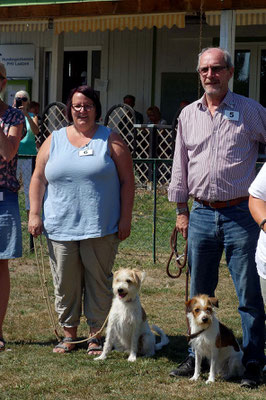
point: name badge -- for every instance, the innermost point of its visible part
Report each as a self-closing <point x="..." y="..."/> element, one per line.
<point x="232" y="115"/>
<point x="86" y="152"/>
<point x="1" y="196"/>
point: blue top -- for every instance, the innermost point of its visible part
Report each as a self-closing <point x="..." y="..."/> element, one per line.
<point x="82" y="199"/>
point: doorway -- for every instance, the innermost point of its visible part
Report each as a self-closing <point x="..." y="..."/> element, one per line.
<point x="250" y="71"/>
<point x="74" y="71"/>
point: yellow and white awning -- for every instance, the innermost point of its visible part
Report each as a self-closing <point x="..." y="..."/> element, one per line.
<point x="101" y="23"/>
<point x="24" y="26"/>
<point x="243" y="17"/>
<point x="120" y="22"/>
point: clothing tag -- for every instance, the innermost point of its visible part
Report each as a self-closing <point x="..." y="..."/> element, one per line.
<point x="1" y="196"/>
<point x="232" y="115"/>
<point x="86" y="152"/>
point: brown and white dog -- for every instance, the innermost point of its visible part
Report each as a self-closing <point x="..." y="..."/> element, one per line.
<point x="127" y="328"/>
<point x="210" y="338"/>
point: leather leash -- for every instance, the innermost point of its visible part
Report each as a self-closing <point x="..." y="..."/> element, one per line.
<point x="180" y="263"/>
<point x="43" y="280"/>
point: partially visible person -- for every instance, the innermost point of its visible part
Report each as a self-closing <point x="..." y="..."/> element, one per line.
<point x="84" y="177"/>
<point x="11" y="126"/>
<point x="34" y="108"/>
<point x="154" y="116"/>
<point x="214" y="163"/>
<point x="182" y="105"/>
<point x="257" y="207"/>
<point x="130" y="101"/>
<point x="27" y="147"/>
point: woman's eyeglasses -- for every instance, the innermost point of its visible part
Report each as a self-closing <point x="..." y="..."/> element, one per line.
<point x="215" y="69"/>
<point x="86" y="107"/>
<point x="22" y="98"/>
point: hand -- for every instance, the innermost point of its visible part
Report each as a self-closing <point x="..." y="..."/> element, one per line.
<point x="124" y="229"/>
<point x="35" y="225"/>
<point x="182" y="224"/>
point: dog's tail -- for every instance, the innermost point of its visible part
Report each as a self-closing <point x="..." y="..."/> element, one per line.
<point x="164" y="339"/>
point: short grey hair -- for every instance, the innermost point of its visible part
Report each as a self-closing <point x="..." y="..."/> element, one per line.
<point x="227" y="56"/>
<point x="22" y="93"/>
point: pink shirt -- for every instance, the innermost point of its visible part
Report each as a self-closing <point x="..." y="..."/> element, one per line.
<point x="215" y="156"/>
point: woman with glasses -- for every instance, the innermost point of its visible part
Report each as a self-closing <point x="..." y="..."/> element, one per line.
<point x="27" y="147"/>
<point x="11" y="124"/>
<point x="84" y="174"/>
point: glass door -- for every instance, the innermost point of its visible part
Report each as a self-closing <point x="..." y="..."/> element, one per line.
<point x="262" y="86"/>
<point x="250" y="71"/>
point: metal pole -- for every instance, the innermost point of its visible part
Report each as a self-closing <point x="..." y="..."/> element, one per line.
<point x="154" y="208"/>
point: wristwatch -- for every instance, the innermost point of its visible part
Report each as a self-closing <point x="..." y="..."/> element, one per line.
<point x="262" y="224"/>
<point x="182" y="210"/>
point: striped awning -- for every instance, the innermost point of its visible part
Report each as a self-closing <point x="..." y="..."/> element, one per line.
<point x="24" y="26"/>
<point x="101" y="23"/>
<point x="119" y="22"/>
<point x="243" y="17"/>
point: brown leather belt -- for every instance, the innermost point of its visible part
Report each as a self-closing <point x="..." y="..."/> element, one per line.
<point x="222" y="204"/>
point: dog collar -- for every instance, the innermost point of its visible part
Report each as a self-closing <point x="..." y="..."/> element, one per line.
<point x="194" y="335"/>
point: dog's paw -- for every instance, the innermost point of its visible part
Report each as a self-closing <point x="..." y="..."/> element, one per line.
<point x="99" y="358"/>
<point x="132" y="358"/>
<point x="194" y="378"/>
<point x="210" y="380"/>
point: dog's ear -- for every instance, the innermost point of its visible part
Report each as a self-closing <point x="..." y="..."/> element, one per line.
<point x="188" y="305"/>
<point x="115" y="273"/>
<point x="214" y="301"/>
<point x="138" y="276"/>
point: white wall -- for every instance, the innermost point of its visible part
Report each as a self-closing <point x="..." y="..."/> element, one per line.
<point x="127" y="57"/>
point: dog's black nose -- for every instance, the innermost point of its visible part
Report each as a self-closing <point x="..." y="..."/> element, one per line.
<point x="120" y="290"/>
<point x="205" y="319"/>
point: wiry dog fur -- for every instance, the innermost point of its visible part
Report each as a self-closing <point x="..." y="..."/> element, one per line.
<point x="128" y="329"/>
<point x="216" y="341"/>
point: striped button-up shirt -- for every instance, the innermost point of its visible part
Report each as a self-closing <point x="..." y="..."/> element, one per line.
<point x="215" y="155"/>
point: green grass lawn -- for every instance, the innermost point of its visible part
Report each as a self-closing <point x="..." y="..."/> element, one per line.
<point x="30" y="370"/>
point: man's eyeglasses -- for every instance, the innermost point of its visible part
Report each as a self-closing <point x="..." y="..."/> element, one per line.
<point x="86" y="107"/>
<point x="215" y="69"/>
<point x="22" y="98"/>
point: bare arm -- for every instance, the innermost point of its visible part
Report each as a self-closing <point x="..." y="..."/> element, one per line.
<point x="257" y="209"/>
<point x="37" y="189"/>
<point x="123" y="161"/>
<point x="33" y="121"/>
<point x="9" y="143"/>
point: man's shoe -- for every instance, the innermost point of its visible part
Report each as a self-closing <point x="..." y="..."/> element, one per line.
<point x="186" y="368"/>
<point x="252" y="376"/>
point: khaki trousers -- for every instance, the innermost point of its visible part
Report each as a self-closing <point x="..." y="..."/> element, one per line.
<point x="82" y="273"/>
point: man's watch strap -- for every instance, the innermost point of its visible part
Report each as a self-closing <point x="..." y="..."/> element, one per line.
<point x="181" y="210"/>
<point x="262" y="223"/>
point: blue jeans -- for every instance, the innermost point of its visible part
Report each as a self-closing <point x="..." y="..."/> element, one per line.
<point x="231" y="229"/>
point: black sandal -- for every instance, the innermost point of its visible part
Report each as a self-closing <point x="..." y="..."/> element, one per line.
<point x="63" y="346"/>
<point x="98" y="342"/>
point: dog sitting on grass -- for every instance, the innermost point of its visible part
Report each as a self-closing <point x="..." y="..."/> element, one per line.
<point x="211" y="339"/>
<point x="128" y="329"/>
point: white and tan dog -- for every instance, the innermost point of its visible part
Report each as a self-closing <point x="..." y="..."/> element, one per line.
<point x="210" y="338"/>
<point x="128" y="329"/>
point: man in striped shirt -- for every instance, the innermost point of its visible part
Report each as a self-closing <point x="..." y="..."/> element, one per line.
<point x="214" y="162"/>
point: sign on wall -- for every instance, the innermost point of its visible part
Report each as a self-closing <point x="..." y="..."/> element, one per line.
<point x="18" y="60"/>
